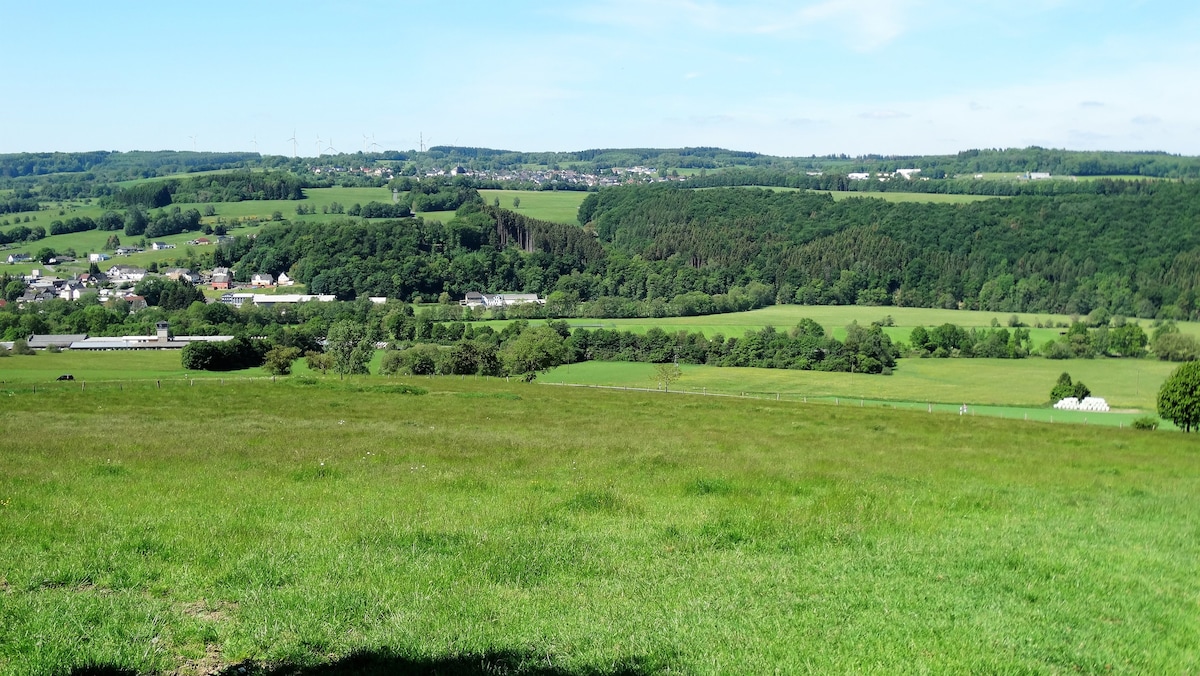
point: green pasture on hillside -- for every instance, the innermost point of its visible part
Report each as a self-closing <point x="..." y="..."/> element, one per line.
<point x="491" y="527"/>
<point x="560" y="206"/>
<point x="1127" y="384"/>
<point x="836" y="317"/>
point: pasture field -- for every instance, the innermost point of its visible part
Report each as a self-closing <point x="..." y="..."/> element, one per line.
<point x="1128" y="385"/>
<point x="487" y="527"/>
<point x="1017" y="388"/>
<point x="835" y="318"/>
<point x="559" y="206"/>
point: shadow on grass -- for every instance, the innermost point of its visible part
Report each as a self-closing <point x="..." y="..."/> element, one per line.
<point x="380" y="662"/>
<point x="497" y="663"/>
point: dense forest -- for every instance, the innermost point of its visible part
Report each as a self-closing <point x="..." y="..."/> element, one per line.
<point x="1136" y="253"/>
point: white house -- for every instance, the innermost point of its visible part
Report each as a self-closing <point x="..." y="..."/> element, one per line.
<point x="179" y="274"/>
<point x="284" y="280"/>
<point x="262" y="279"/>
<point x="19" y="258"/>
<point x="126" y="273"/>
<point x="160" y="246"/>
<point x="98" y="257"/>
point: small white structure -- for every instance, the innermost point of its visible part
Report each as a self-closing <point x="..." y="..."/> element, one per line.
<point x="493" y="300"/>
<point x="1092" y="404"/>
<point x="858" y="175"/>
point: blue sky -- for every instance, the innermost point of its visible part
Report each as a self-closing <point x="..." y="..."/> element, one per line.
<point x="787" y="78"/>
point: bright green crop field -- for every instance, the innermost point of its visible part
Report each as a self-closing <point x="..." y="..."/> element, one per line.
<point x="488" y="527"/>
<point x="560" y="206"/>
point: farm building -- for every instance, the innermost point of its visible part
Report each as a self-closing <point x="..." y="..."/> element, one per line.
<point x="493" y="300"/>
<point x="161" y="340"/>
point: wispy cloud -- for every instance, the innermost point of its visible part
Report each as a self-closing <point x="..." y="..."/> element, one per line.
<point x="883" y="115"/>
<point x="1146" y="119"/>
<point x="866" y="25"/>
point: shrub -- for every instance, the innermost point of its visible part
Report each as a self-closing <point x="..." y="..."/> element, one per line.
<point x="1145" y="423"/>
<point x="21" y="347"/>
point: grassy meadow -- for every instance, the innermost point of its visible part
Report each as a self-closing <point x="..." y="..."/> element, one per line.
<point x="488" y="527"/>
<point x="559" y="206"/>
<point x="1014" y="389"/>
<point x="835" y="318"/>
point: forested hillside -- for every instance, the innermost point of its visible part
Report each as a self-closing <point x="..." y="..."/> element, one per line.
<point x="1136" y="253"/>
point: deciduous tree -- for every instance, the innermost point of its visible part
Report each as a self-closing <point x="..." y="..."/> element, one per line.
<point x="1179" y="397"/>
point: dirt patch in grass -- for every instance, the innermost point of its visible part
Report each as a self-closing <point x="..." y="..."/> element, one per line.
<point x="211" y="664"/>
<point x="209" y="612"/>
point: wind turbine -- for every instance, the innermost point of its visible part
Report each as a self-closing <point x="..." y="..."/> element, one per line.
<point x="293" y="140"/>
<point x="364" y="143"/>
<point x="331" y="150"/>
<point x="255" y="142"/>
<point x="374" y="146"/>
<point x="193" y="137"/>
<point x="318" y="145"/>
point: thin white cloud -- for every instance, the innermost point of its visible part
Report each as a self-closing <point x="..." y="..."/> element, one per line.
<point x="883" y="115"/>
<point x="866" y="25"/>
<point x="1146" y="119"/>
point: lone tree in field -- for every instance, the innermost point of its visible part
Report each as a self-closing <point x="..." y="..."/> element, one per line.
<point x="1179" y="398"/>
<point x="667" y="373"/>
<point x="516" y="202"/>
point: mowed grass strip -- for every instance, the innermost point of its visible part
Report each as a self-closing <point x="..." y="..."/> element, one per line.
<point x="298" y="523"/>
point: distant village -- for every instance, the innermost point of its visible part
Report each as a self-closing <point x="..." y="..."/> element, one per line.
<point x="569" y="177"/>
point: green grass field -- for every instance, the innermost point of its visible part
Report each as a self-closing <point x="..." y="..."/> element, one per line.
<point x="835" y="318"/>
<point x="559" y="206"/>
<point x="488" y="527"/>
<point x="1017" y="389"/>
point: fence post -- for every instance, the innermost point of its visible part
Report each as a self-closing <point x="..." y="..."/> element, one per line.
<point x="83" y="384"/>
<point x="158" y="383"/>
